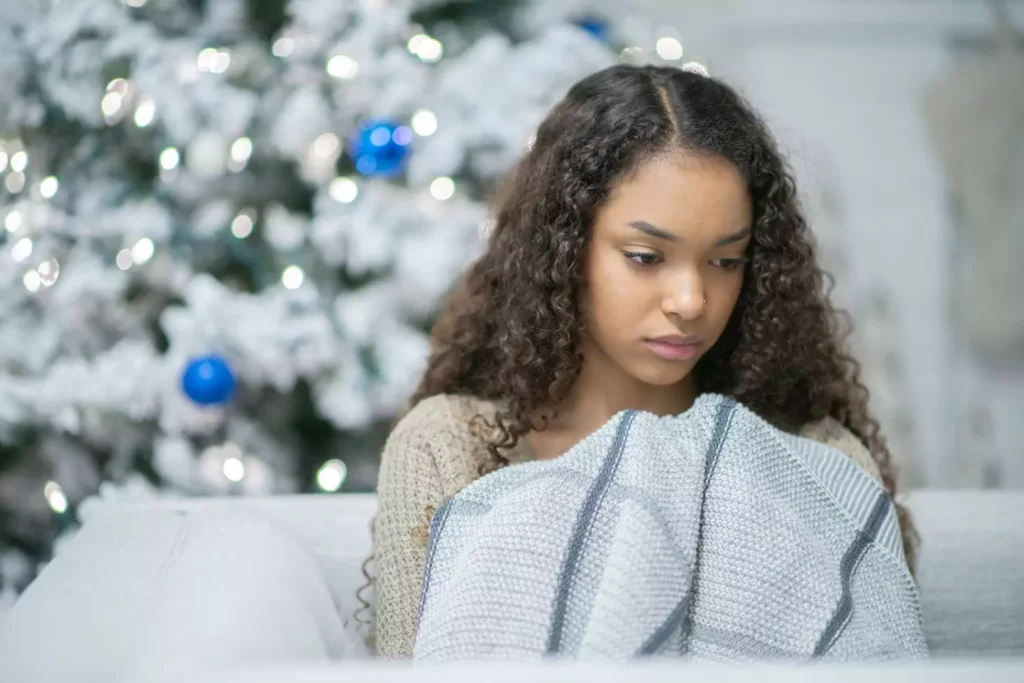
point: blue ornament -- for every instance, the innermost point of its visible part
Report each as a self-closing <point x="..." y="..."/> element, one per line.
<point x="595" y="26"/>
<point x="208" y="380"/>
<point x="380" y="147"/>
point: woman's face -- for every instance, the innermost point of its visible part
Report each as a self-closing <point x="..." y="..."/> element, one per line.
<point x="664" y="266"/>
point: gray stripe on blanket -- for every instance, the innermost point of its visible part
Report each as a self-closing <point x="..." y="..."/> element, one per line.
<point x="581" y="532"/>
<point x="681" y="611"/>
<point x="847" y="567"/>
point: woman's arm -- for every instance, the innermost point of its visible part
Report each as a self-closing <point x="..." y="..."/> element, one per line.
<point x="408" y="491"/>
<point x="831" y="433"/>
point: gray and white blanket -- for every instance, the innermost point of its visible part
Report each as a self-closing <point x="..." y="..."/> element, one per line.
<point x="708" y="535"/>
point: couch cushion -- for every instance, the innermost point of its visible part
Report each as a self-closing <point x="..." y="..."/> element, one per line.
<point x="971" y="570"/>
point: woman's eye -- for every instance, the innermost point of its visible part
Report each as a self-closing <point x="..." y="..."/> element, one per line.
<point x="729" y="263"/>
<point x="644" y="258"/>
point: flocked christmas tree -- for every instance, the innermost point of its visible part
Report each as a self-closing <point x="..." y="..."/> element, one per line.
<point x="227" y="225"/>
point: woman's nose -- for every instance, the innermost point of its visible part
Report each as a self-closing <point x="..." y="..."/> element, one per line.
<point x="685" y="297"/>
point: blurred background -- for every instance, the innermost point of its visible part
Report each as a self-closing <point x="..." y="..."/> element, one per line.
<point x="227" y="224"/>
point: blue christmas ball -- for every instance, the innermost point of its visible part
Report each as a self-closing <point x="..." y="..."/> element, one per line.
<point x="595" y="26"/>
<point x="380" y="147"/>
<point x="208" y="380"/>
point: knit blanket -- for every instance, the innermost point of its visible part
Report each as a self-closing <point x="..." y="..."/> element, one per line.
<point x="709" y="535"/>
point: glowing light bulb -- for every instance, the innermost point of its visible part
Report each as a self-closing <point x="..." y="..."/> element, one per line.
<point x="143" y="251"/>
<point x="21" y="250"/>
<point x="331" y="475"/>
<point x="424" y="122"/>
<point x="242" y="225"/>
<point x="292" y="277"/>
<point x="169" y="159"/>
<point x="48" y="187"/>
<point x="442" y="188"/>
<point x="124" y="259"/>
<point x="343" y="67"/>
<point x="343" y="190"/>
<point x="283" y="47"/>
<point x="145" y="113"/>
<point x="669" y="48"/>
<point x="55" y="497"/>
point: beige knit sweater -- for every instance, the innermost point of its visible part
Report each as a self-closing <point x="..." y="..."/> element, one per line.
<point x="432" y="454"/>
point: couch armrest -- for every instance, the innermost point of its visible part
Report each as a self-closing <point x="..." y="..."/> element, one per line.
<point x="172" y="590"/>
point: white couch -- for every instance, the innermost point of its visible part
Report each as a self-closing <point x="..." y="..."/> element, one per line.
<point x="264" y="590"/>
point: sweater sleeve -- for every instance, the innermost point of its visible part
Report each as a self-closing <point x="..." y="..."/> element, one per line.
<point x="831" y="433"/>
<point x="409" y="489"/>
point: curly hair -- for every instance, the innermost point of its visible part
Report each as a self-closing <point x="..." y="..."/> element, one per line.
<point x="511" y="330"/>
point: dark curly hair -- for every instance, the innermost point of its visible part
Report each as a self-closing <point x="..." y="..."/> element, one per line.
<point x="510" y="332"/>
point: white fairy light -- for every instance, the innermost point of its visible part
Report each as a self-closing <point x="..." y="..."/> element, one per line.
<point x="326" y="145"/>
<point x="19" y="161"/>
<point x="343" y="190"/>
<point x="669" y="48"/>
<point x="124" y="259"/>
<point x="32" y="281"/>
<point x="221" y="62"/>
<point x="3" y="161"/>
<point x="143" y="251"/>
<point x="442" y="188"/>
<point x="428" y="49"/>
<point x="343" y="67"/>
<point x="21" y="250"/>
<point x="135" y="3"/>
<point x="145" y="113"/>
<point x="205" y="59"/>
<point x="242" y="225"/>
<point x="49" y="271"/>
<point x="15" y="182"/>
<point x="331" y="475"/>
<point x="119" y="85"/>
<point x="292" y="277"/>
<point x="241" y="150"/>
<point x="13" y="221"/>
<point x="169" y="158"/>
<point x="48" y="187"/>
<point x="234" y="469"/>
<point x="55" y="497"/>
<point x="424" y="122"/>
<point x="283" y="47"/>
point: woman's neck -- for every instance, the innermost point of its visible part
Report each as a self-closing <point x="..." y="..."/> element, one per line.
<point x="602" y="389"/>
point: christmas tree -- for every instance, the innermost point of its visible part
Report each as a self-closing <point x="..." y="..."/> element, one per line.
<point x="227" y="225"/>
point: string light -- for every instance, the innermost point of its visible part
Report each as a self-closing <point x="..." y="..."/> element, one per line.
<point x="143" y="251"/>
<point x="21" y="250"/>
<point x="242" y="225"/>
<point x="343" y="67"/>
<point x="669" y="48"/>
<point x="428" y="49"/>
<point x="55" y="497"/>
<point x="424" y="122"/>
<point x="331" y="475"/>
<point x="343" y="190"/>
<point x="631" y="55"/>
<point x="49" y="271"/>
<point x="135" y="3"/>
<point x="442" y="188"/>
<point x="19" y="161"/>
<point x="241" y="151"/>
<point x="15" y="182"/>
<point x="234" y="469"/>
<point x="145" y="113"/>
<point x="3" y="161"/>
<point x="48" y="187"/>
<point x="13" y="221"/>
<point x="283" y="47"/>
<point x="124" y="259"/>
<point x="326" y="145"/>
<point x="292" y="277"/>
<point x="212" y="60"/>
<point x="32" y="281"/>
<point x="169" y="159"/>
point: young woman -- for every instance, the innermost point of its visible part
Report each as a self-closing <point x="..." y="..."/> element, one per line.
<point x="647" y="249"/>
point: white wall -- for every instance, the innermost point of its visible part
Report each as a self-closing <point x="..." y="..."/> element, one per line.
<point x="841" y="82"/>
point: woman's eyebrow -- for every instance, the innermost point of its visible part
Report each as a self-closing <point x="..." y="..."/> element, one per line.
<point x="655" y="231"/>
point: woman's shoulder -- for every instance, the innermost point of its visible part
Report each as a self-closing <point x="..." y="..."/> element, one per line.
<point x="446" y="425"/>
<point x="444" y="416"/>
<point x="830" y="432"/>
